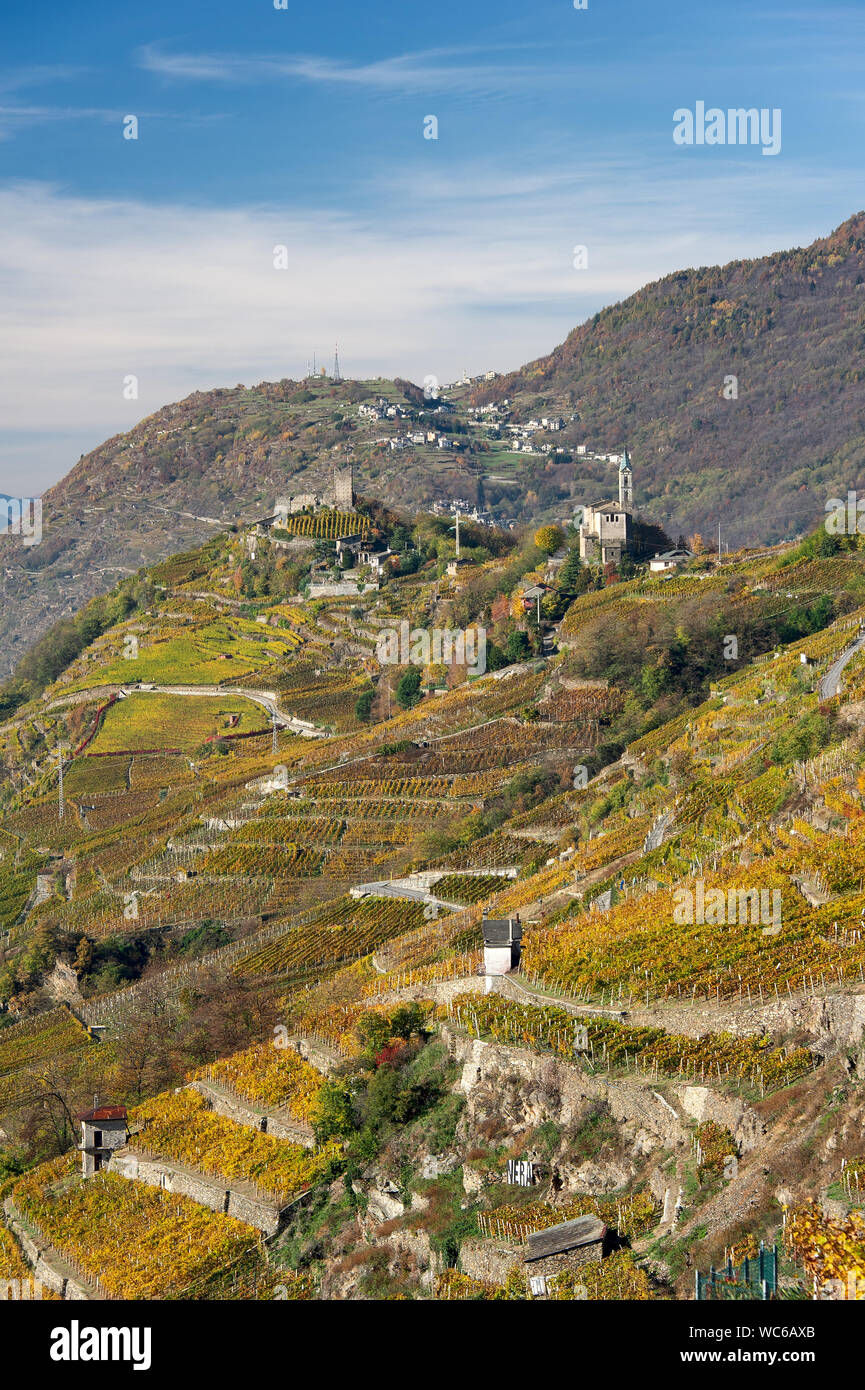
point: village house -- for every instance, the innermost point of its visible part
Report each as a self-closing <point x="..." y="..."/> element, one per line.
<point x="373" y="558"/>
<point x="667" y="560"/>
<point x="531" y="597"/>
<point x="357" y="552"/>
<point x="103" y="1129"/>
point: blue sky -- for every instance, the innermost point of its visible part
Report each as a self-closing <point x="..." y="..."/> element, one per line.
<point x="304" y="128"/>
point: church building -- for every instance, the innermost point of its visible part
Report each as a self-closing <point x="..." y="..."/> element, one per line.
<point x="606" y="527"/>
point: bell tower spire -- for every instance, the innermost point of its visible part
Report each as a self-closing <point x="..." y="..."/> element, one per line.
<point x="626" y="483"/>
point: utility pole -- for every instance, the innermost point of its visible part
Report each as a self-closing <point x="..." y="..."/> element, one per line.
<point x="275" y="739"/>
<point x="60" y="803"/>
<point x="457" y="529"/>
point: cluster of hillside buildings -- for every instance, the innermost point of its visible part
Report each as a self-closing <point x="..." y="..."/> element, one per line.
<point x="383" y="409"/>
<point x="420" y="439"/>
<point x="466" y="380"/>
<point x="467" y="510"/>
<point x="605" y="529"/>
<point x="420" y="436"/>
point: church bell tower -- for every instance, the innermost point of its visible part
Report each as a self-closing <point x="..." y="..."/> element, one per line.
<point x="626" y="483"/>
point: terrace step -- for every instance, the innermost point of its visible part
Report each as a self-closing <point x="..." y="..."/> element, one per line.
<point x="325" y="1059"/>
<point x="810" y="892"/>
<point x="278" y="1121"/>
<point x="48" y="1265"/>
<point x="234" y="1197"/>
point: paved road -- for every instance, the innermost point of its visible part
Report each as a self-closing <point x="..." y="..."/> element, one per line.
<point x="830" y="684"/>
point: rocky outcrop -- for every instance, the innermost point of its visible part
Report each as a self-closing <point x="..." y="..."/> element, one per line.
<point x="526" y="1090"/>
<point x="523" y="1090"/>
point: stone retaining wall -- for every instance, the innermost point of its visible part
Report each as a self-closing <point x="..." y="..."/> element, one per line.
<point x="279" y="1126"/>
<point x="49" y="1267"/>
<point x="661" y="1114"/>
<point x="489" y="1260"/>
<point x="209" y="1192"/>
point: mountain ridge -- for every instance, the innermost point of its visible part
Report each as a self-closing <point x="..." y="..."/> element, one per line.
<point x="650" y="370"/>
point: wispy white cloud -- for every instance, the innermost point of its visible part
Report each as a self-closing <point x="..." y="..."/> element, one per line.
<point x="38" y="75"/>
<point x="473" y="70"/>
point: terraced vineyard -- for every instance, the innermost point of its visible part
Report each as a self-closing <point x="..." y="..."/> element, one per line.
<point x="629" y="1215"/>
<point x="151" y="722"/>
<point x="609" y="1045"/>
<point x="325" y="524"/>
<point x="347" y="931"/>
<point x="171" y="1245"/>
<point x="180" y="1126"/>
<point x="686" y="859"/>
<point x="268" y="1074"/>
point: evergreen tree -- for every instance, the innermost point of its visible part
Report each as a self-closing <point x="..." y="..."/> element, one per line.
<point x="574" y="577"/>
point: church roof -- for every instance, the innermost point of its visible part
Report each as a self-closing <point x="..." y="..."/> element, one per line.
<point x="624" y="462"/>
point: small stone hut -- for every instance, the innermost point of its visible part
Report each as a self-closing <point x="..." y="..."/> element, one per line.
<point x="502" y="943"/>
<point x="566" y="1246"/>
<point x="103" y="1129"/>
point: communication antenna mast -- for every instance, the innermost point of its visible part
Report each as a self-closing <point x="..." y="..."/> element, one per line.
<point x="336" y="375"/>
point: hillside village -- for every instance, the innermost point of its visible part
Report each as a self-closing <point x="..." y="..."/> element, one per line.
<point x="526" y="447"/>
<point x="326" y="975"/>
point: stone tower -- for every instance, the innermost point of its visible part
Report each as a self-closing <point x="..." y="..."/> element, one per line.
<point x="343" y="488"/>
<point x="626" y="483"/>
